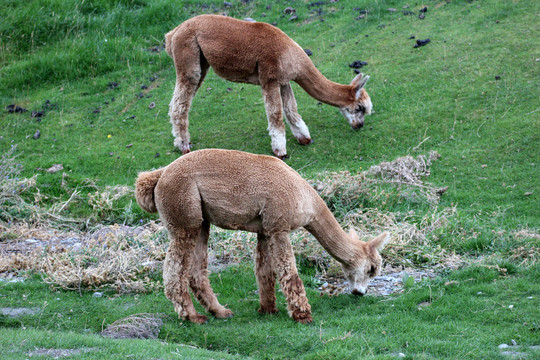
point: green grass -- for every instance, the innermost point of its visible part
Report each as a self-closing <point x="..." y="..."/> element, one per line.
<point x="443" y="96"/>
<point x="449" y="317"/>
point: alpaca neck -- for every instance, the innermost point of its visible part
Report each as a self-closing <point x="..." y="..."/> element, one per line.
<point x="322" y="89"/>
<point x="331" y="236"/>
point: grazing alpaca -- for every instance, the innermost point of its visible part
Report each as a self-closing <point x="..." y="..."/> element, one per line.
<point x="257" y="193"/>
<point x="260" y="54"/>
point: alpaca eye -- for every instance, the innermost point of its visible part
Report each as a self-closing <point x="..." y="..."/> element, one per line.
<point x="360" y="108"/>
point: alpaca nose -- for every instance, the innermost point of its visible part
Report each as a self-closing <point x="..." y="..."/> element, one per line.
<point x="357" y="126"/>
<point x="358" y="292"/>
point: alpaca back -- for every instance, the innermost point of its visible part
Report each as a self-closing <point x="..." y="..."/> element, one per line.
<point x="234" y="190"/>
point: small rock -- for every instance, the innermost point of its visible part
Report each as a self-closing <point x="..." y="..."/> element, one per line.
<point x="514" y="343"/>
<point x="97" y="294"/>
<point x="504" y="346"/>
<point x="497" y="77"/>
<point x="143" y="87"/>
<point x="129" y="145"/>
<point x="412" y="37"/>
<point x="308" y="52"/>
<point x="424" y="9"/>
<point x="17" y="312"/>
<point x="421" y="16"/>
<point x="294" y="17"/>
<point x="392" y="9"/>
<point x="152" y="105"/>
<point x="402" y="355"/>
<point x="484" y="166"/>
<point x="36" y="135"/>
<point x="529" y="193"/>
<point x="360" y="17"/>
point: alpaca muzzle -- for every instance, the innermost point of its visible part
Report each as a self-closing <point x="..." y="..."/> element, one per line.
<point x="357" y="125"/>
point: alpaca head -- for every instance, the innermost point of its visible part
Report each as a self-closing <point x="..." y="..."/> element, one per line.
<point x="367" y="264"/>
<point x="361" y="106"/>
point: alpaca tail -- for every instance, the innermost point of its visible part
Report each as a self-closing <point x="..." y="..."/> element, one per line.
<point x="168" y="42"/>
<point x="144" y="189"/>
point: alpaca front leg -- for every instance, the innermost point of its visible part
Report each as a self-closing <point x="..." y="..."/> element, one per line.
<point x="297" y="125"/>
<point x="274" y="113"/>
<point x="199" y="282"/>
<point x="176" y="277"/>
<point x="266" y="277"/>
<point x="291" y="284"/>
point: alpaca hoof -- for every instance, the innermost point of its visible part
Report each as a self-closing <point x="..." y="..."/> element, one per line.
<point x="198" y="319"/>
<point x="302" y="317"/>
<point x="186" y="148"/>
<point x="282" y="157"/>
<point x="224" y="314"/>
<point x="305" y="141"/>
<point x="271" y="310"/>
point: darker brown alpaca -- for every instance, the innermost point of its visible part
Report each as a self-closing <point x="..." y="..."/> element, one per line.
<point x="256" y="193"/>
<point x="260" y="54"/>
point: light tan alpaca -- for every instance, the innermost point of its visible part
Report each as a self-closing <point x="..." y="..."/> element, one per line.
<point x="257" y="193"/>
<point x="260" y="54"/>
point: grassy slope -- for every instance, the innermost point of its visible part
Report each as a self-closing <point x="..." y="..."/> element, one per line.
<point x="445" y="92"/>
<point x="443" y="95"/>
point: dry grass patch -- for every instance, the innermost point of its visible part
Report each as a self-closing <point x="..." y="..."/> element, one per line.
<point x="136" y="326"/>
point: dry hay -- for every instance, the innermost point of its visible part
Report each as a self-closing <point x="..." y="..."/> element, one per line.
<point x="136" y="326"/>
<point x="405" y="173"/>
<point x="58" y="353"/>
<point x="116" y="257"/>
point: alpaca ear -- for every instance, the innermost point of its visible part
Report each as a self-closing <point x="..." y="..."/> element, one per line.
<point x="380" y="241"/>
<point x="353" y="234"/>
<point x="358" y="83"/>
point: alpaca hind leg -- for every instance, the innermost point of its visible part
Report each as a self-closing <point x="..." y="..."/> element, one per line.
<point x="266" y="277"/>
<point x="291" y="284"/>
<point x="199" y="283"/>
<point x="274" y="112"/>
<point x="189" y="76"/>
<point x="297" y="125"/>
<point x="176" y="273"/>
